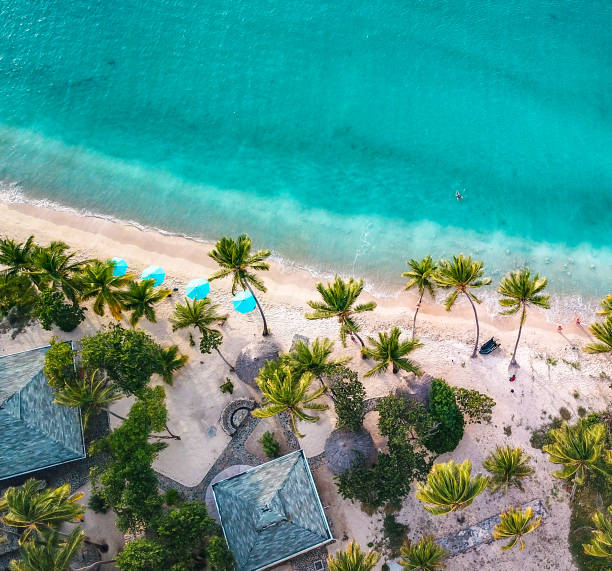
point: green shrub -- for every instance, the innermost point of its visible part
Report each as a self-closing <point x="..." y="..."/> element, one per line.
<point x="51" y="309"/>
<point x="270" y="445"/>
<point x="96" y="503"/>
<point x="444" y="410"/>
<point x="581" y="411"/>
<point x="220" y="558"/>
<point x="17" y="300"/>
<point x="508" y="430"/>
<point x="395" y="533"/>
<point x="59" y="363"/>
<point x="475" y="406"/>
<point x="349" y="397"/>
<point x="141" y="555"/>
<point x="541" y="436"/>
<point x="227" y="386"/>
<point x="172" y="497"/>
<point x="565" y="414"/>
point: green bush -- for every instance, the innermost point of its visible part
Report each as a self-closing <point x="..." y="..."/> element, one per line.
<point x="564" y="413"/>
<point x="59" y="365"/>
<point x="172" y="497"/>
<point x="395" y="533"/>
<point x="17" y="300"/>
<point x="51" y="309"/>
<point x="444" y="410"/>
<point x="141" y="555"/>
<point x="220" y="558"/>
<point x="96" y="503"/>
<point x="349" y="397"/>
<point x="541" y="436"/>
<point x="270" y="445"/>
<point x="227" y="386"/>
<point x="475" y="406"/>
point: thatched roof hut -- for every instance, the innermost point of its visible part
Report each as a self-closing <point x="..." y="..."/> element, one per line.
<point x="253" y="357"/>
<point x="343" y="449"/>
<point x="416" y="388"/>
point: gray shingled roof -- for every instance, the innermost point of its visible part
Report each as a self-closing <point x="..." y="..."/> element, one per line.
<point x="271" y="513"/>
<point x="35" y="432"/>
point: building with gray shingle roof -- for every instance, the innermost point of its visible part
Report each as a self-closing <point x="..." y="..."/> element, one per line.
<point x="35" y="432"/>
<point x="271" y="513"/>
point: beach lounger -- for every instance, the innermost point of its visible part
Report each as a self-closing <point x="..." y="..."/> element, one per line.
<point x="489" y="347"/>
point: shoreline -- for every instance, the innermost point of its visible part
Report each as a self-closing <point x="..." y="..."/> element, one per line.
<point x="288" y="282"/>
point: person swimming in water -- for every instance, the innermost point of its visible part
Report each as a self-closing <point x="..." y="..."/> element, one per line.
<point x="458" y="195"/>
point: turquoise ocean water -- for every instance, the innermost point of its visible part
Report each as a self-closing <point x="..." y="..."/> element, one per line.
<point x="335" y="133"/>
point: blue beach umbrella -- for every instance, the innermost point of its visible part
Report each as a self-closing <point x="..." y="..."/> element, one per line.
<point x="197" y="289"/>
<point x="119" y="266"/>
<point x="244" y="302"/>
<point x="153" y="273"/>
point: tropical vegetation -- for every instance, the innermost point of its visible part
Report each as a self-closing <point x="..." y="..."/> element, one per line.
<point x="514" y="524"/>
<point x="140" y="298"/>
<point x="50" y="551"/>
<point x="387" y="351"/>
<point x="353" y="558"/>
<point x="421" y="276"/>
<point x="601" y="541"/>
<point x="422" y="555"/>
<point x="602" y="331"/>
<point x="444" y="413"/>
<point x="507" y="466"/>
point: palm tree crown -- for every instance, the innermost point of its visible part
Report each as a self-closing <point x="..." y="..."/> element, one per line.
<point x="339" y="299"/>
<point x="519" y="290"/>
<point x="421" y="276"/>
<point x="99" y="282"/>
<point x="91" y="393"/>
<point x="601" y="542"/>
<point x="171" y="361"/>
<point x="199" y="313"/>
<point x="507" y="466"/>
<point x="285" y="391"/>
<point x="34" y="508"/>
<point x="16" y="256"/>
<point x="514" y="524"/>
<point x="450" y="487"/>
<point x="602" y="331"/>
<point x="462" y="275"/>
<point x="579" y="449"/>
<point x="235" y="259"/>
<point x="388" y="350"/>
<point x="606" y="304"/>
<point x="424" y="555"/>
<point x="316" y="359"/>
<point x="140" y="299"/>
<point x="352" y="559"/>
<point x="52" y="553"/>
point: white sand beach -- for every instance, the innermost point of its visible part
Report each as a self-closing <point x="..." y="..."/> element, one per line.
<point x="194" y="401"/>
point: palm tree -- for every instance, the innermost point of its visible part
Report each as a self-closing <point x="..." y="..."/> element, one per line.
<point x="507" y="467"/>
<point x="339" y="297"/>
<point x="316" y="359"/>
<point x="519" y="290"/>
<point x="51" y="553"/>
<point x="352" y="559"/>
<point x="91" y="393"/>
<point x="514" y="524"/>
<point x="34" y="508"/>
<point x="603" y="332"/>
<point x="284" y="391"/>
<point x="387" y="350"/>
<point x="421" y="274"/>
<point x="140" y="298"/>
<point x="462" y="274"/>
<point x="424" y="555"/>
<point x="202" y="315"/>
<point x="606" y="304"/>
<point x="53" y="268"/>
<point x="579" y="449"/>
<point x="99" y="282"/>
<point x="450" y="487"/>
<point x="16" y="256"/>
<point x="171" y="361"/>
<point x="235" y="259"/>
<point x="601" y="542"/>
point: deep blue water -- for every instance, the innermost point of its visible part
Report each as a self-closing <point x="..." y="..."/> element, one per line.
<point x="335" y="133"/>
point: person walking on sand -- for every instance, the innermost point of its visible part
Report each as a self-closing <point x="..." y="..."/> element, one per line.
<point x="559" y="329"/>
<point x="578" y="322"/>
<point x="512" y="378"/>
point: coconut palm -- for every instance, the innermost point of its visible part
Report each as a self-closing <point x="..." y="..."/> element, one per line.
<point x="424" y="555"/>
<point x="507" y="467"/>
<point x="50" y="553"/>
<point x="388" y="350"/>
<point x="606" y="304"/>
<point x="171" y="361"/>
<point x="450" y="487"/>
<point x="602" y="331"/>
<point x="34" y="508"/>
<point x="462" y="275"/>
<point x="339" y="299"/>
<point x="53" y="268"/>
<point x="202" y="315"/>
<point x="601" y="542"/>
<point x="140" y="298"/>
<point x="579" y="449"/>
<point x="90" y="392"/>
<point x="16" y="256"/>
<point x="421" y="274"/>
<point x="283" y="390"/>
<point x="235" y="259"/>
<point x="514" y="524"/>
<point x="99" y="282"/>
<point x="352" y="559"/>
<point x="519" y="290"/>
<point x="316" y="359"/>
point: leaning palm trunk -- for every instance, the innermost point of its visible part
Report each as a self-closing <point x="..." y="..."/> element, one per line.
<point x="231" y="367"/>
<point x="415" y="316"/>
<point x="263" y="317"/>
<point x="171" y="437"/>
<point x="475" y="352"/>
<point x="523" y="317"/>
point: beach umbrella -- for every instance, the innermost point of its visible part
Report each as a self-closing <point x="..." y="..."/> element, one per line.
<point x="153" y="273"/>
<point x="197" y="289"/>
<point x="244" y="302"/>
<point x="119" y="266"/>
